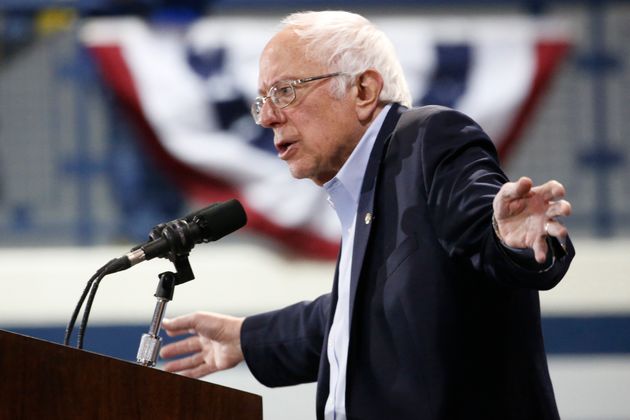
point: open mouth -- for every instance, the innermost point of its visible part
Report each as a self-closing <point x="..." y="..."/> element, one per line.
<point x="284" y="147"/>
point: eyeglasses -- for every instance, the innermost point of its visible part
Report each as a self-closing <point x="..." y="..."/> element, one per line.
<point x="282" y="94"/>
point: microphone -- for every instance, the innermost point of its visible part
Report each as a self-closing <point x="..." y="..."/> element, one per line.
<point x="179" y="236"/>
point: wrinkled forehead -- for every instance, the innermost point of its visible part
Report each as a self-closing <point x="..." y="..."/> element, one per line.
<point x="285" y="57"/>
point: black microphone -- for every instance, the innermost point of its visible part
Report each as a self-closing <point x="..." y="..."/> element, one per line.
<point x="179" y="236"/>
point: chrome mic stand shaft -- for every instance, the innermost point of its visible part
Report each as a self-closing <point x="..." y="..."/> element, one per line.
<point x="150" y="342"/>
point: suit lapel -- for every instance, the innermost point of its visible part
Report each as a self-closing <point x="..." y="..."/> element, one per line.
<point x="365" y="212"/>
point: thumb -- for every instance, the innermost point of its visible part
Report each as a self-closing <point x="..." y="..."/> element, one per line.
<point x="506" y="202"/>
<point x="517" y="189"/>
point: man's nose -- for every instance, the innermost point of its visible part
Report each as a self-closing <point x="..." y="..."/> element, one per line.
<point x="270" y="114"/>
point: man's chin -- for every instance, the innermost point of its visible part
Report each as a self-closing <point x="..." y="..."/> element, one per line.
<point x="297" y="171"/>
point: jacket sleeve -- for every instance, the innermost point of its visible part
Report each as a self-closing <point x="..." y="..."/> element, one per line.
<point x="283" y="347"/>
<point x="461" y="176"/>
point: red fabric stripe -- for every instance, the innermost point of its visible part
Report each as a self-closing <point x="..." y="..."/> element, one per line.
<point x="549" y="55"/>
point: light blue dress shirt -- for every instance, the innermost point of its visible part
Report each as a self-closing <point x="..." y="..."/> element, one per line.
<point x="343" y="191"/>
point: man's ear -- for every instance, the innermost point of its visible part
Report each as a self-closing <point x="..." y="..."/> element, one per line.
<point x="369" y="85"/>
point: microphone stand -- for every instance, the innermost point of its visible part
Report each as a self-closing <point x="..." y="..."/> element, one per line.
<point x="150" y="342"/>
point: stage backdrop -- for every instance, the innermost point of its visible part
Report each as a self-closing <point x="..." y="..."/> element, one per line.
<point x="187" y="89"/>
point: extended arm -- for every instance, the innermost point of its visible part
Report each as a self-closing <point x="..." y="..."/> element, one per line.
<point x="466" y="187"/>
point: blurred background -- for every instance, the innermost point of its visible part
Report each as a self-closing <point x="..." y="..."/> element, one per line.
<point x="119" y="115"/>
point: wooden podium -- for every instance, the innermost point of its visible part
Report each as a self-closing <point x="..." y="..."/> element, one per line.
<point x="44" y="380"/>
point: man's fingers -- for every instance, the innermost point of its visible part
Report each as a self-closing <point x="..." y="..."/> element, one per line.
<point x="207" y="324"/>
<point x="187" y="365"/>
<point x="551" y="190"/>
<point x="185" y="346"/>
<point x="556" y="229"/>
<point x="180" y="325"/>
<point x="193" y="366"/>
<point x="558" y="208"/>
<point x="540" y="249"/>
<point x="526" y="215"/>
<point x="174" y="333"/>
<point x="180" y="365"/>
<point x="199" y="371"/>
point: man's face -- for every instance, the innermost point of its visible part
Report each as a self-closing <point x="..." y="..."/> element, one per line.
<point x="317" y="132"/>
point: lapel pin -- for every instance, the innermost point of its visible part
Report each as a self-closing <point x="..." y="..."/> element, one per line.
<point x="368" y="218"/>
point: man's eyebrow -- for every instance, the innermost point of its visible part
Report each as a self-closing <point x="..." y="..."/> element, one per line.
<point x="263" y="92"/>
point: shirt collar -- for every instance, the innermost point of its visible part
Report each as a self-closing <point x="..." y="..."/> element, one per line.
<point x="350" y="176"/>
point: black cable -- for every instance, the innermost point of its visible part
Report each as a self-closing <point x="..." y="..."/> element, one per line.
<point x="100" y="273"/>
<point x="88" y="307"/>
<point x="77" y="308"/>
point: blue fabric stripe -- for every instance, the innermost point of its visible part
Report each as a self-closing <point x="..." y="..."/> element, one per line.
<point x="449" y="80"/>
<point x="563" y="336"/>
<point x="587" y="335"/>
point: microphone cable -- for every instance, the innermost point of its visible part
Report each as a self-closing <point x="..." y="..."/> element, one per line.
<point x="91" y="287"/>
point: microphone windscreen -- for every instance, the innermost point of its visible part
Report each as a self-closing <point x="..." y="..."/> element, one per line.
<point x="190" y="217"/>
<point x="220" y="219"/>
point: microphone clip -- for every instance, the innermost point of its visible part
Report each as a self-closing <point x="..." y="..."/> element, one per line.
<point x="183" y="270"/>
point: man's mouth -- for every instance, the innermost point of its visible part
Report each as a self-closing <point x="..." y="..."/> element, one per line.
<point x="284" y="148"/>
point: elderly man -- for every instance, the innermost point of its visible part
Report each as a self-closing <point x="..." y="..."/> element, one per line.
<point x="434" y="310"/>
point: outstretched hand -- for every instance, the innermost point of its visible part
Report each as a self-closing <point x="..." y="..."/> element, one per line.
<point x="526" y="215"/>
<point x="215" y="343"/>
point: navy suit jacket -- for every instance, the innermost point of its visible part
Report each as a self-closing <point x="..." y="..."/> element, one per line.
<point x="445" y="322"/>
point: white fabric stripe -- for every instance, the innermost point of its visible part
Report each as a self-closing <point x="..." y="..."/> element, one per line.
<point x="500" y="79"/>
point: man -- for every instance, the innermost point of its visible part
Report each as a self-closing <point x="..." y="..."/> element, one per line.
<point x="434" y="310"/>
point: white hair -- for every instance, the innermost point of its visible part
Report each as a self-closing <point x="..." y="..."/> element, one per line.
<point x="349" y="43"/>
